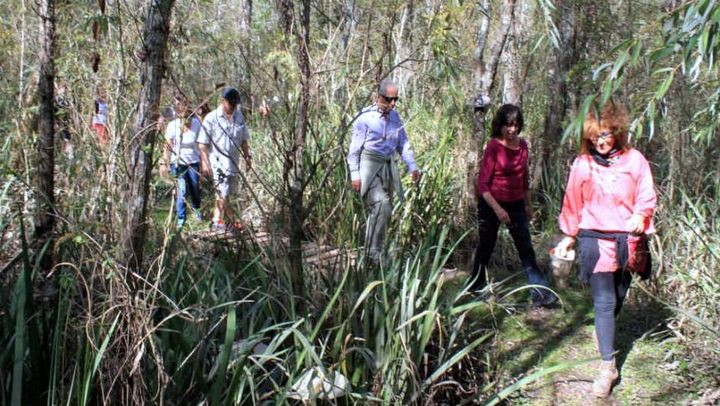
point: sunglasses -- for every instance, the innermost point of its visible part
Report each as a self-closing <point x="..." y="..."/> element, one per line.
<point x="389" y="99"/>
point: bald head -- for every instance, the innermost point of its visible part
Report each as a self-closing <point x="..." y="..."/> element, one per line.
<point x="385" y="85"/>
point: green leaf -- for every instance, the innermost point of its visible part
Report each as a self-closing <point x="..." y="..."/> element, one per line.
<point x="660" y="93"/>
<point x="218" y="384"/>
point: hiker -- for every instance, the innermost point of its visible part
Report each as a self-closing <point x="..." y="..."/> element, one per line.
<point x="223" y="137"/>
<point x="608" y="208"/>
<point x="182" y="153"/>
<point x="504" y="193"/>
<point x="166" y="116"/>
<point x="100" y="115"/>
<point x="378" y="134"/>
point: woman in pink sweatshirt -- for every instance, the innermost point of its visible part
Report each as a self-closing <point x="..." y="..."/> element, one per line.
<point x="608" y="208"/>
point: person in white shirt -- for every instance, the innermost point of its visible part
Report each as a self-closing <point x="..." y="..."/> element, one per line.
<point x="100" y="115"/>
<point x="181" y="151"/>
<point x="223" y="137"/>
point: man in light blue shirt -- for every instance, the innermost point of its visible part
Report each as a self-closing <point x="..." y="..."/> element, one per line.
<point x="378" y="134"/>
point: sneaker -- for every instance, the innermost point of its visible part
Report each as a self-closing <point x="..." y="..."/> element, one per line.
<point x="197" y="215"/>
<point x="235" y="227"/>
<point x="607" y="375"/>
<point x="218" y="226"/>
<point x="180" y="223"/>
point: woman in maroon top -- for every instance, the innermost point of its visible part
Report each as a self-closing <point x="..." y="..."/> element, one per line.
<point x="505" y="198"/>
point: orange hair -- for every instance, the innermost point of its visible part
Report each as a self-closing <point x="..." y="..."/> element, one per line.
<point x="613" y="118"/>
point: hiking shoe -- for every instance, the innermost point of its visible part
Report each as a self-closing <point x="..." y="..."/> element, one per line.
<point x="220" y="226"/>
<point x="607" y="375"/>
<point x="235" y="227"/>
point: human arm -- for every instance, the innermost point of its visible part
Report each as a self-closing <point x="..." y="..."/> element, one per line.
<point x="203" y="142"/>
<point x="645" y="200"/>
<point x="204" y="160"/>
<point x="353" y="158"/>
<point x="485" y="179"/>
<point x="527" y="198"/>
<point x="569" y="220"/>
<point x="245" y="148"/>
<point x="167" y="149"/>
<point x="164" y="161"/>
<point x="408" y="156"/>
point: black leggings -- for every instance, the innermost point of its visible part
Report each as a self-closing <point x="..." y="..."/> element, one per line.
<point x="608" y="292"/>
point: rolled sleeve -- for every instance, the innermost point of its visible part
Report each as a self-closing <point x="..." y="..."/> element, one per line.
<point x="204" y="133"/>
<point x="487" y="168"/>
<point x="356" y="143"/>
<point x="569" y="220"/>
<point x="646" y="196"/>
<point x="405" y="150"/>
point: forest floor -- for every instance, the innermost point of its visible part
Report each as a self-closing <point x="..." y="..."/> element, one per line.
<point x="654" y="367"/>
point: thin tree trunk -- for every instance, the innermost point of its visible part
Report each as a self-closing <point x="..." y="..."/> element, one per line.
<point x="294" y="172"/>
<point x="404" y="45"/>
<point x="561" y="61"/>
<point x="45" y="178"/>
<point x="155" y="35"/>
<point x="245" y="67"/>
<point x="297" y="187"/>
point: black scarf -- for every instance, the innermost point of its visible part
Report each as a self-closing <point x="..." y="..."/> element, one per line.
<point x="604" y="159"/>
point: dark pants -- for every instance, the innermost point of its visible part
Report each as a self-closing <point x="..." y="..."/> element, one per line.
<point x="608" y="292"/>
<point x="520" y="232"/>
<point x="188" y="181"/>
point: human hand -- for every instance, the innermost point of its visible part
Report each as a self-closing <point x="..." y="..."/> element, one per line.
<point x="163" y="169"/>
<point x="416" y="175"/>
<point x="502" y="215"/>
<point x="356" y="185"/>
<point x="636" y="224"/>
<point x="562" y="248"/>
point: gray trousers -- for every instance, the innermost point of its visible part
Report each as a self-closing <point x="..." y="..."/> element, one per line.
<point x="379" y="203"/>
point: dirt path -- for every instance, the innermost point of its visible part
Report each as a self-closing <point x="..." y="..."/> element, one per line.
<point x="652" y="366"/>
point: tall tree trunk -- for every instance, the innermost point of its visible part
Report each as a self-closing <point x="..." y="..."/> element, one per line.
<point x="245" y="67"/>
<point x="45" y="178"/>
<point x="486" y="64"/>
<point x="404" y="44"/>
<point x="154" y="39"/>
<point x="294" y="172"/>
<point x="512" y="57"/>
<point x="561" y="61"/>
<point x="485" y="70"/>
<point x="297" y="187"/>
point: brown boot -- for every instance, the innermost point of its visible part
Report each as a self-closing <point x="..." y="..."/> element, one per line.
<point x="607" y="375"/>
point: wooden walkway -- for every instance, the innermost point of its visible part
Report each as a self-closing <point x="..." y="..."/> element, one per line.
<point x="320" y="256"/>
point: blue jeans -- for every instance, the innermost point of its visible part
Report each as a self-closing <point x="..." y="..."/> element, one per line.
<point x="520" y="232"/>
<point x="188" y="180"/>
<point x="608" y="292"/>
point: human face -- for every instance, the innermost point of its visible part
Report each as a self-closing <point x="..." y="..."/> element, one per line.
<point x="604" y="141"/>
<point x="181" y="107"/>
<point x="386" y="102"/>
<point x="510" y="131"/>
<point x="228" y="108"/>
